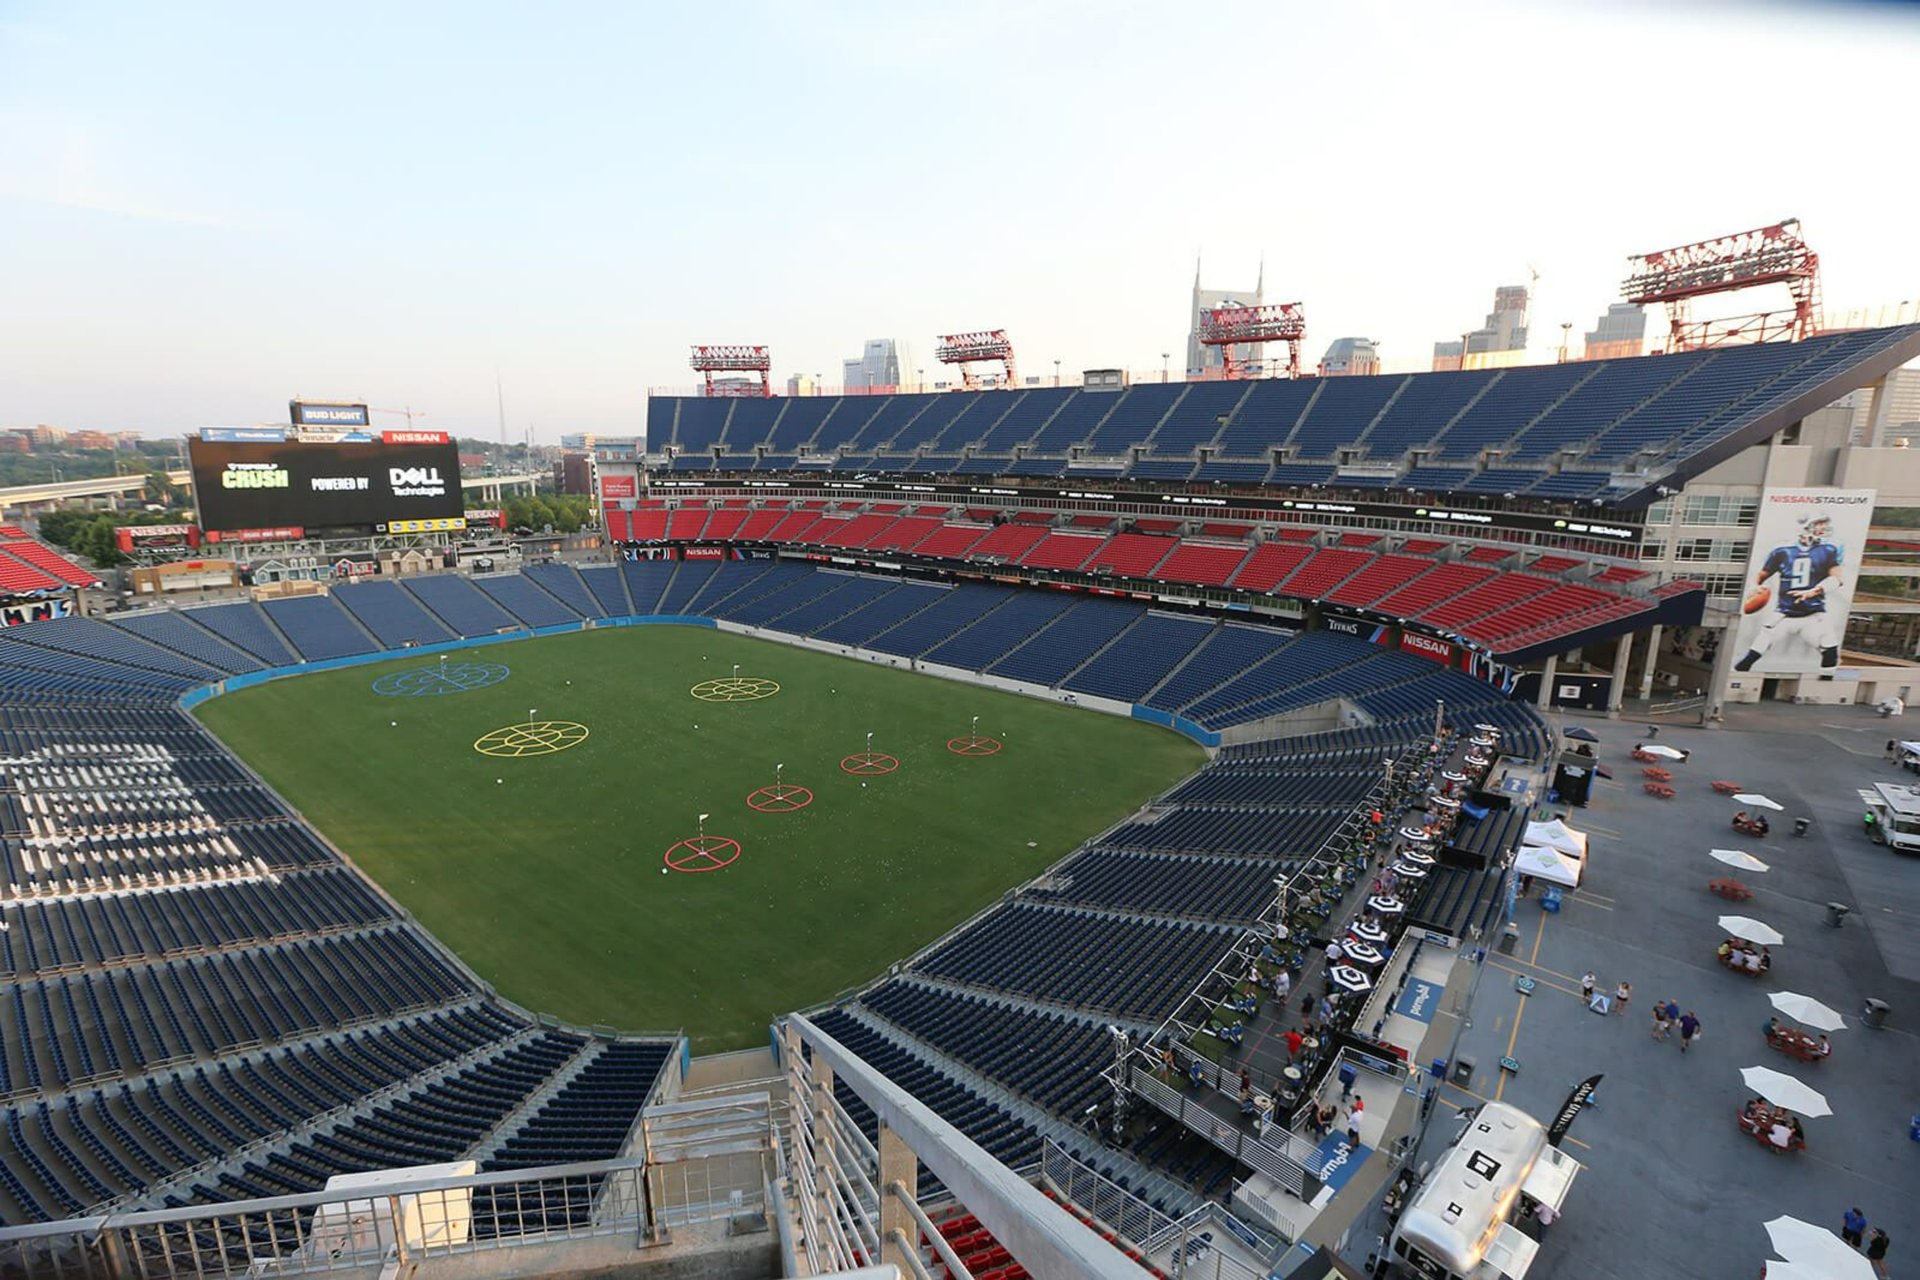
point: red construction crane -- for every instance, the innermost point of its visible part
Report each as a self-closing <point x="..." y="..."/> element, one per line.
<point x="734" y="359"/>
<point x="1241" y="326"/>
<point x="1729" y="264"/>
<point x="983" y="347"/>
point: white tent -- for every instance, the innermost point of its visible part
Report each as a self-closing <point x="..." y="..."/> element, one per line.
<point x="1557" y="835"/>
<point x="1550" y="865"/>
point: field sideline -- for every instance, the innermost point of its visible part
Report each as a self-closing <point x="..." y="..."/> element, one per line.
<point x="548" y="882"/>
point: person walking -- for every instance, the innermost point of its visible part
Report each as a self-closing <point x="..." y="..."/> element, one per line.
<point x="1689" y="1028"/>
<point x="1853" y="1225"/>
<point x="1660" y="1024"/>
<point x="1587" y="983"/>
<point x="1620" y="995"/>
<point x="1877" y="1252"/>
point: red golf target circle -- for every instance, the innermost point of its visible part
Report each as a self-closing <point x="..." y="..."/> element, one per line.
<point x="703" y="853"/>
<point x="783" y="797"/>
<point x="974" y="745"/>
<point x="868" y="763"/>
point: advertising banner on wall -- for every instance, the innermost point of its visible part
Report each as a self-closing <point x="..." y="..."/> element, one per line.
<point x="1807" y="547"/>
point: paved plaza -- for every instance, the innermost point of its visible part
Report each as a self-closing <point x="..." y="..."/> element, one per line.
<point x="1673" y="1187"/>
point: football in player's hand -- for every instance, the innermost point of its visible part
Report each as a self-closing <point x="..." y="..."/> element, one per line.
<point x="1758" y="600"/>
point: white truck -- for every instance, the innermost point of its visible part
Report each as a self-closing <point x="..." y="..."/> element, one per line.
<point x="1893" y="815"/>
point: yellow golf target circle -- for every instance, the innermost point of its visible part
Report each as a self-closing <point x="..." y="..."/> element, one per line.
<point x="531" y="738"/>
<point x="735" y="689"/>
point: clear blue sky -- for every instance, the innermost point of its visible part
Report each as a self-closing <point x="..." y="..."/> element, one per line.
<point x="208" y="208"/>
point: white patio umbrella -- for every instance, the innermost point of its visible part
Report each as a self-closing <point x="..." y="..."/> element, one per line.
<point x="1784" y="1091"/>
<point x="1813" y="1251"/>
<point x="1747" y="929"/>
<point x="1352" y="979"/>
<point x="1755" y="800"/>
<point x="1664" y="751"/>
<point x="1738" y="859"/>
<point x="1807" y="1011"/>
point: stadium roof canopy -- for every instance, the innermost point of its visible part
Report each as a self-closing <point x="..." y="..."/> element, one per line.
<point x="1607" y="432"/>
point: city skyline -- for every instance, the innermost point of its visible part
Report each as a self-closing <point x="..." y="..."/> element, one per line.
<point x="224" y="207"/>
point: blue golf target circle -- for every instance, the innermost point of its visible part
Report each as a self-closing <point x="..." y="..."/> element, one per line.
<point x="442" y="677"/>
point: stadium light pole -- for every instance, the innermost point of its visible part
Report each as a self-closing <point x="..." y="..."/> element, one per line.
<point x="1164" y="357"/>
<point x="1056" y="373"/>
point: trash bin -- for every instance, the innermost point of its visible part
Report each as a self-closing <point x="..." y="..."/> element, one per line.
<point x="1800" y="825"/>
<point x="1463" y="1072"/>
<point x="1874" y="1014"/>
<point x="1509" y="939"/>
<point x="1836" y="912"/>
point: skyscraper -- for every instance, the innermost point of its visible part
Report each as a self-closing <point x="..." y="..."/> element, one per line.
<point x="1204" y="361"/>
<point x="1350" y="357"/>
<point x="1621" y="332"/>
<point x="1505" y="330"/>
<point x="879" y="367"/>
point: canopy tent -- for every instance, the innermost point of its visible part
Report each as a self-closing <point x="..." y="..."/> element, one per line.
<point x="1556" y="834"/>
<point x="1550" y="865"/>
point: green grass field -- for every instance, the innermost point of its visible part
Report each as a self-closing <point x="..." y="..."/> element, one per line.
<point x="548" y="881"/>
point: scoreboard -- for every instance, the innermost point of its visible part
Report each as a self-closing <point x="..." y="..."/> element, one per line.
<point x="399" y="481"/>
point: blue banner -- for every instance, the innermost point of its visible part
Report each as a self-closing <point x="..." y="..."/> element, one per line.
<point x="1338" y="1161"/>
<point x="1418" y="1001"/>
<point x="243" y="435"/>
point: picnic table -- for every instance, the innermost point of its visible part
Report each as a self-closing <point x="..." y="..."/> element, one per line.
<point x="1661" y="789"/>
<point x="1726" y="788"/>
<point x="1730" y="889"/>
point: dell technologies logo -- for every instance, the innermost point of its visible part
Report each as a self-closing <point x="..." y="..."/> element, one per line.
<point x="416" y="482"/>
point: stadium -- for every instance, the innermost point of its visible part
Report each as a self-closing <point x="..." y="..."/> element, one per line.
<point x="982" y="758"/>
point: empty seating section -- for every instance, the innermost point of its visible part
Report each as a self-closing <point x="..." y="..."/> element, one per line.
<point x="1008" y="542"/>
<point x="244" y="626"/>
<point x="953" y="541"/>
<point x="1020" y="618"/>
<point x="1128" y="968"/>
<point x="884" y="611"/>
<point x="176" y="632"/>
<point x="1229" y="651"/>
<point x="1377" y="579"/>
<point x="564" y="585"/>
<point x="1340" y="414"/>
<point x="607" y="585"/>
<point x="590" y="1117"/>
<point x="1495" y="593"/>
<point x="1077" y="635"/>
<point x="645" y="581"/>
<point x="530" y="605"/>
<point x="1000" y="1134"/>
<point x="689" y="577"/>
<point x="1000" y="1040"/>
<point x="1207" y="564"/>
<point x="1225" y="889"/>
<point x="1061" y="550"/>
<point x="319" y="628"/>
<point x="1323" y="571"/>
<point x="461" y="606"/>
<point x="1140" y="658"/>
<point x="1131" y="555"/>
<point x="1270" y="564"/>
<point x="1597" y="402"/>
<point x="649" y="524"/>
<point x="951" y="614"/>
<point x="1442" y="582"/>
<point x="393" y="616"/>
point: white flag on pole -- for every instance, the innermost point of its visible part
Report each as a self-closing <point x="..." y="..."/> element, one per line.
<point x="704" y="817"/>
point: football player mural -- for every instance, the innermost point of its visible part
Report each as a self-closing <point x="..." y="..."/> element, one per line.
<point x="1807" y="546"/>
